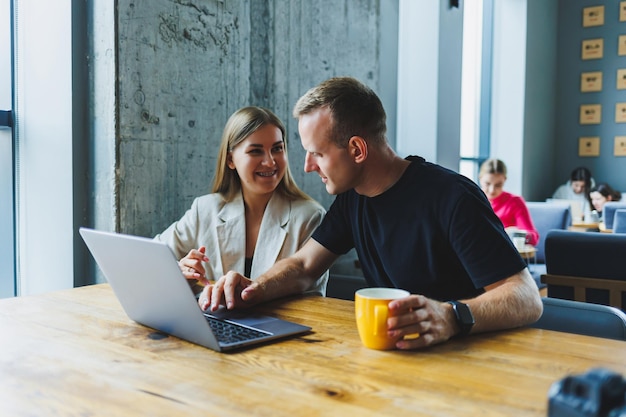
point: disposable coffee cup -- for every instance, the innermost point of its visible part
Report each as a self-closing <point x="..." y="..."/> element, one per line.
<point x="519" y="239"/>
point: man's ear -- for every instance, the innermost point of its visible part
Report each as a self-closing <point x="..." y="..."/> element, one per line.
<point x="357" y="146"/>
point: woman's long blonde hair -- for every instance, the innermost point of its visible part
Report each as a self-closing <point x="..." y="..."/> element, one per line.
<point x="239" y="126"/>
<point x="492" y="166"/>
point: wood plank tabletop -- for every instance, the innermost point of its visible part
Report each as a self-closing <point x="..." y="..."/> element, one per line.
<point x="76" y="353"/>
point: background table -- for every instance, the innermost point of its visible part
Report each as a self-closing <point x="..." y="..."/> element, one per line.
<point x="586" y="227"/>
<point x="75" y="353"/>
<point x="528" y="252"/>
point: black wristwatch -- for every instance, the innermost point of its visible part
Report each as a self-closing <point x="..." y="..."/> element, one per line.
<point x="464" y="317"/>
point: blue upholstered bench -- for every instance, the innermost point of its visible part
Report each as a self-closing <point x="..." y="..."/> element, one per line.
<point x="588" y="267"/>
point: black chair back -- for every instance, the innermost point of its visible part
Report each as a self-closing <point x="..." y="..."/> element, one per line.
<point x="590" y="257"/>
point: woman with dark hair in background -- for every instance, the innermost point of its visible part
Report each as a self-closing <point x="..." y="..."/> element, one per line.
<point x="602" y="193"/>
<point x="577" y="188"/>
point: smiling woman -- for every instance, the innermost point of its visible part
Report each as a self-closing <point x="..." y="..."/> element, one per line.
<point x="260" y="162"/>
<point x="256" y="214"/>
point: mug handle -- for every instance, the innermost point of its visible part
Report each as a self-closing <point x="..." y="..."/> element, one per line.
<point x="380" y="317"/>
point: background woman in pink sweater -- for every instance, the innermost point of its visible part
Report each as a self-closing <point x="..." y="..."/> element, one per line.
<point x="510" y="208"/>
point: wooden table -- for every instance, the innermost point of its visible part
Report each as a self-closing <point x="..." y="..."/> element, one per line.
<point x="75" y="353"/>
<point x="585" y="227"/>
<point x="528" y="252"/>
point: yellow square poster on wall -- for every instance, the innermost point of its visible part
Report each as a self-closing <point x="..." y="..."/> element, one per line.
<point x="591" y="81"/>
<point x="619" y="148"/>
<point x="593" y="16"/>
<point x="590" y="114"/>
<point x="589" y="146"/>
<point x="620" y="113"/>
<point x="621" y="79"/>
<point x="621" y="46"/>
<point x="592" y="48"/>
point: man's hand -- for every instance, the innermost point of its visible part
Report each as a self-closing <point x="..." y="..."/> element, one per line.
<point x="508" y="303"/>
<point x="434" y="321"/>
<point x="233" y="290"/>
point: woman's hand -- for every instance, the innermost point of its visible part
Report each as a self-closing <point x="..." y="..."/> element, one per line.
<point x="191" y="265"/>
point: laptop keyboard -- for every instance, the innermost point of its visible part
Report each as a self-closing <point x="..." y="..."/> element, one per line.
<point x="228" y="333"/>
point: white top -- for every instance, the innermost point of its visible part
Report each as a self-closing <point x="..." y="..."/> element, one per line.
<point x="565" y="192"/>
<point x="221" y="227"/>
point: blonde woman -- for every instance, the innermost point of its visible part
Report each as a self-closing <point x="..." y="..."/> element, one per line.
<point x="510" y="208"/>
<point x="255" y="215"/>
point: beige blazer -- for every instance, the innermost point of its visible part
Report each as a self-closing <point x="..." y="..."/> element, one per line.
<point x="221" y="227"/>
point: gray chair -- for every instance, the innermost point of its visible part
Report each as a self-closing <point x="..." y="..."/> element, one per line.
<point x="619" y="221"/>
<point x="546" y="216"/>
<point x="582" y="318"/>
<point x="608" y="212"/>
<point x="345" y="277"/>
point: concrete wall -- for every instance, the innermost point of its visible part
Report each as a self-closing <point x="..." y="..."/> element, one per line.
<point x="166" y="74"/>
<point x="540" y="101"/>
<point x="448" y="100"/>
<point x="184" y="67"/>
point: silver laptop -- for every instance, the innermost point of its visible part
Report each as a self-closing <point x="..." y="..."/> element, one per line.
<point x="577" y="207"/>
<point x="146" y="279"/>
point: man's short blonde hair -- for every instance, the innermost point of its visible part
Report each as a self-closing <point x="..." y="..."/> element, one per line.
<point x="354" y="108"/>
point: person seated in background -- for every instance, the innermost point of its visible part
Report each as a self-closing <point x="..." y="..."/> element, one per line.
<point x="600" y="194"/>
<point x="256" y="214"/>
<point x="577" y="188"/>
<point x="510" y="208"/>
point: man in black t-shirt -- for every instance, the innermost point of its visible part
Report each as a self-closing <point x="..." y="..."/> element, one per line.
<point x="415" y="226"/>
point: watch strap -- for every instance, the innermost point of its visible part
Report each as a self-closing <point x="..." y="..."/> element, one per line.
<point x="463" y="315"/>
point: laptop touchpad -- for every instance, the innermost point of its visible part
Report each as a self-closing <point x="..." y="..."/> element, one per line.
<point x="244" y="317"/>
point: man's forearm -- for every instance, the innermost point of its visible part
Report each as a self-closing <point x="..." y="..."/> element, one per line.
<point x="512" y="303"/>
<point x="285" y="277"/>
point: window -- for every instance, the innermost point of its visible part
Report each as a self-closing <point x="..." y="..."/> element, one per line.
<point x="476" y="85"/>
<point x="7" y="217"/>
<point x="41" y="84"/>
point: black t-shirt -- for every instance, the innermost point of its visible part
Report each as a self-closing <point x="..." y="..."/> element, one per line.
<point x="432" y="233"/>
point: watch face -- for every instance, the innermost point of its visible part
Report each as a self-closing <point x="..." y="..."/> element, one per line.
<point x="465" y="315"/>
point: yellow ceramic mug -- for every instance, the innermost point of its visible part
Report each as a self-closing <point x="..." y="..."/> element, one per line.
<point x="371" y="311"/>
